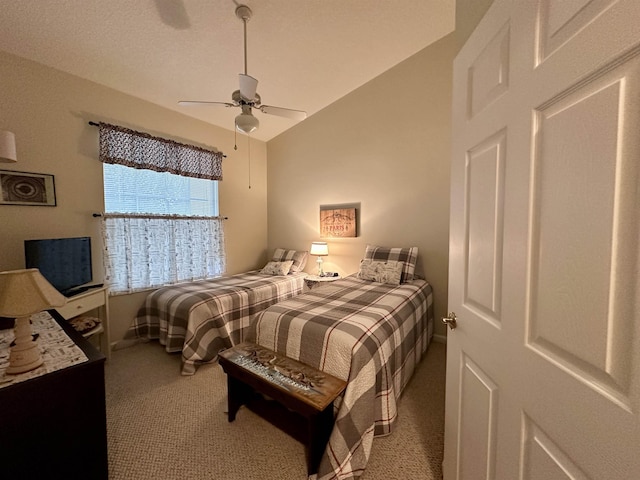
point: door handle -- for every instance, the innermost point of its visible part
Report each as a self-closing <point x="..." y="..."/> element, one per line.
<point x="450" y="321"/>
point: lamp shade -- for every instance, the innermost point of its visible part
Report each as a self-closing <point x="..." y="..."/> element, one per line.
<point x="8" y="147"/>
<point x="25" y="292"/>
<point x="319" y="248"/>
<point x="246" y="122"/>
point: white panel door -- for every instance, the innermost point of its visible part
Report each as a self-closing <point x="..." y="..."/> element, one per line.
<point x="543" y="367"/>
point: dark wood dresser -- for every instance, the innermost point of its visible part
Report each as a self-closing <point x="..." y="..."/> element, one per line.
<point x="54" y="426"/>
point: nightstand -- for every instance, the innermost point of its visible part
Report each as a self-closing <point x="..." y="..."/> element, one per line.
<point x="95" y="299"/>
<point x="314" y="280"/>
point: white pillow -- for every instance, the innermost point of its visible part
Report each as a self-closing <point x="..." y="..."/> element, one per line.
<point x="277" y="268"/>
<point x="407" y="256"/>
<point x="382" y="272"/>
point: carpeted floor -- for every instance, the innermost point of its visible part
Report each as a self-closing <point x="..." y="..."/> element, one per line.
<point x="165" y="426"/>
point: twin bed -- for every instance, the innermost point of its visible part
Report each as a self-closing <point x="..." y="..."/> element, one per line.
<point x="370" y="334"/>
<point x="200" y="318"/>
<point x="370" y="329"/>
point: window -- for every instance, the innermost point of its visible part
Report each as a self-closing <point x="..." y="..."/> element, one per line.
<point x="132" y="190"/>
<point x="161" y="223"/>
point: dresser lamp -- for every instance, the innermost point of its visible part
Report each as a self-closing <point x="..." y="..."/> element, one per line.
<point x="8" y="147"/>
<point x="320" y="249"/>
<point x="23" y="293"/>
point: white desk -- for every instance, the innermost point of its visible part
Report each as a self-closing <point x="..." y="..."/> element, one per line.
<point x="95" y="299"/>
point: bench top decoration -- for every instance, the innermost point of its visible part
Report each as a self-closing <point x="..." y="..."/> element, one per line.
<point x="286" y="373"/>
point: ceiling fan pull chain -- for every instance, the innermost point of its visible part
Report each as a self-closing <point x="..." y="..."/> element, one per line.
<point x="235" y="139"/>
<point x="249" y="156"/>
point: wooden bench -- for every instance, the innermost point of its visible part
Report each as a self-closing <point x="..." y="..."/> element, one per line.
<point x="297" y="391"/>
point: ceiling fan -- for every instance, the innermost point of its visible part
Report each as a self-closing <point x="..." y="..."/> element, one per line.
<point x="247" y="97"/>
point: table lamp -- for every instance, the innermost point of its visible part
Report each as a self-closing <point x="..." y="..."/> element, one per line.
<point x="320" y="249"/>
<point x="23" y="293"/>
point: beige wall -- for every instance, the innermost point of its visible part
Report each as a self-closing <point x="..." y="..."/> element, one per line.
<point x="48" y="111"/>
<point x="385" y="145"/>
<point x="468" y="15"/>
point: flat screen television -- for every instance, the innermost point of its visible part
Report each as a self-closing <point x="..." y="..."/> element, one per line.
<point x="64" y="262"/>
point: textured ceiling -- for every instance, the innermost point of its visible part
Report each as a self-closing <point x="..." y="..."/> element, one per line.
<point x="306" y="54"/>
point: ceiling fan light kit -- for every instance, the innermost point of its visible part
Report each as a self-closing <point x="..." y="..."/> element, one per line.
<point x="246" y="97"/>
<point x="245" y="122"/>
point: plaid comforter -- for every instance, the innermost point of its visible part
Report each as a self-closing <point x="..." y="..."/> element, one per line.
<point x="370" y="334"/>
<point x="200" y="318"/>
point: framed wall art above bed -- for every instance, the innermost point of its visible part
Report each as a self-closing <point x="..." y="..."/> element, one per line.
<point x="339" y="221"/>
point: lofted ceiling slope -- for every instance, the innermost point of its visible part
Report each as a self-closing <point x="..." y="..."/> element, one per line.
<point x="306" y="54"/>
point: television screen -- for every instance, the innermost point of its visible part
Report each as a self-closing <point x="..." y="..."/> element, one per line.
<point x="64" y="262"/>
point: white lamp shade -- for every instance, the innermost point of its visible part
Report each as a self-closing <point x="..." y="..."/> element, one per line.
<point x="319" y="248"/>
<point x="246" y="122"/>
<point x="25" y="292"/>
<point x="7" y="147"/>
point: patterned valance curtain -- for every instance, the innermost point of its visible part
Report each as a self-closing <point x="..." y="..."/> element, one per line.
<point x="146" y="251"/>
<point x="127" y="147"/>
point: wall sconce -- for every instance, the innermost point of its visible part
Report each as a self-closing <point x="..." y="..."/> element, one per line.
<point x="320" y="249"/>
<point x="23" y="293"/>
<point x="7" y="147"/>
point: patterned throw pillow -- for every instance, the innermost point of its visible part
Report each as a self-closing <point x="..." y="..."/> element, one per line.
<point x="382" y="272"/>
<point x="299" y="258"/>
<point x="407" y="256"/>
<point x="277" y="268"/>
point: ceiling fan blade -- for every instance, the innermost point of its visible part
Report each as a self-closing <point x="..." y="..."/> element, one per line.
<point x="199" y="102"/>
<point x="248" y="86"/>
<point x="284" y="112"/>
<point x="173" y="13"/>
